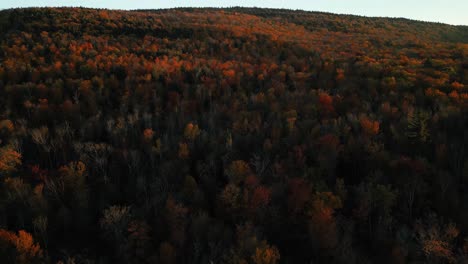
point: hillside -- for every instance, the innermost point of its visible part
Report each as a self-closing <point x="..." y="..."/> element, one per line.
<point x="237" y="135"/>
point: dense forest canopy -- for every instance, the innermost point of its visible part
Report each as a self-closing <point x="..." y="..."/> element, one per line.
<point x="236" y="135"/>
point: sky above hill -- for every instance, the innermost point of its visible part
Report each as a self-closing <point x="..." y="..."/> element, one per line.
<point x="446" y="11"/>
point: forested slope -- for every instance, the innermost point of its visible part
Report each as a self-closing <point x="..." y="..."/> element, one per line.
<point x="231" y="136"/>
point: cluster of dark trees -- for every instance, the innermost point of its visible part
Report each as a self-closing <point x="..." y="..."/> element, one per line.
<point x="231" y="136"/>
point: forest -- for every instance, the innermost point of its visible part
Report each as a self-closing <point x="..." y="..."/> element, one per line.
<point x="236" y="135"/>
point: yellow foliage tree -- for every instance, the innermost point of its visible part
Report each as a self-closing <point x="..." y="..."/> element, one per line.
<point x="183" y="151"/>
<point x="238" y="170"/>
<point x="73" y="169"/>
<point x="191" y="131"/>
<point x="9" y="160"/>
<point x="266" y="255"/>
<point x="437" y="241"/>
<point x="157" y="147"/>
<point x="230" y="197"/>
<point x="71" y="184"/>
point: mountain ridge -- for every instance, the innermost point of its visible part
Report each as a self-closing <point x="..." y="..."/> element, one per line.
<point x="447" y="32"/>
<point x="285" y="10"/>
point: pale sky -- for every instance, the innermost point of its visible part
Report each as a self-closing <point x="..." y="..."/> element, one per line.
<point x="453" y="12"/>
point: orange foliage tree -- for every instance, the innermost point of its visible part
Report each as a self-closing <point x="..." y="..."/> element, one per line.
<point x="9" y="160"/>
<point x="24" y="249"/>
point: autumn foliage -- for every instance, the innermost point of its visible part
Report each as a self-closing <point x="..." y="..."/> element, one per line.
<point x="234" y="135"/>
<point x="26" y="250"/>
<point x="9" y="160"/>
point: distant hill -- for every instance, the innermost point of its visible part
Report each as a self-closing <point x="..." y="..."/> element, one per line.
<point x="237" y="135"/>
<point x="396" y="27"/>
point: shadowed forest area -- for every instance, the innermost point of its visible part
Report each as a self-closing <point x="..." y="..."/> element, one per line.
<point x="235" y="136"/>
